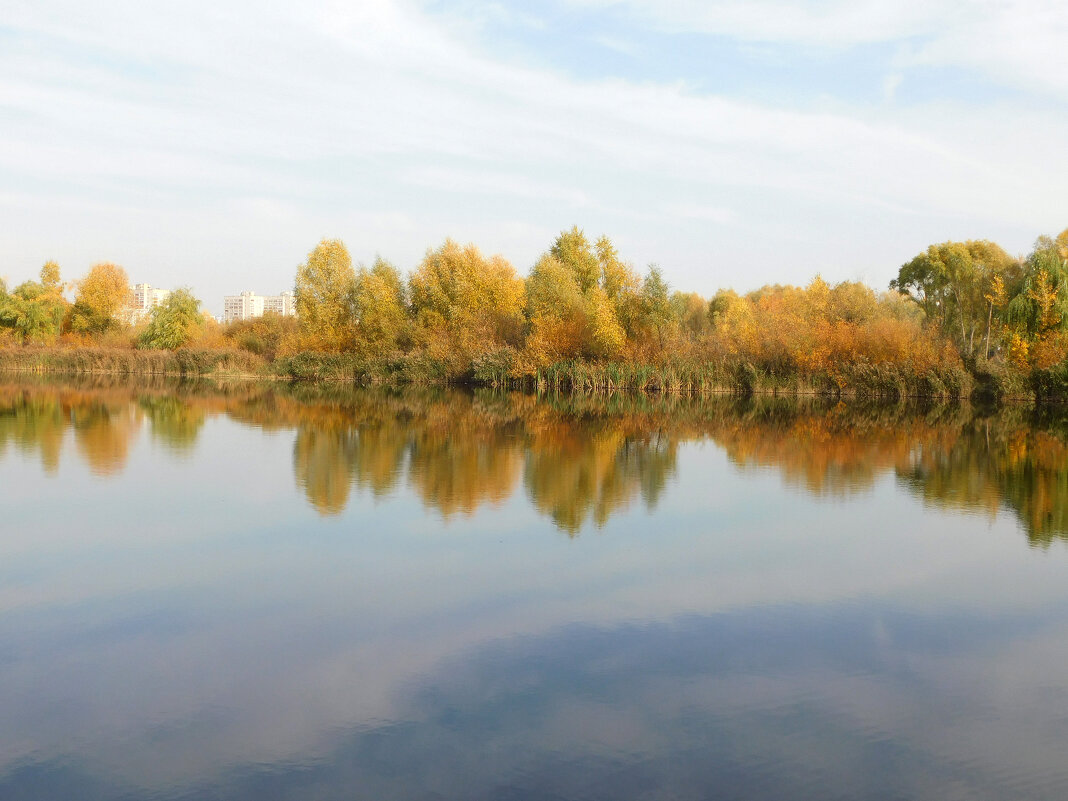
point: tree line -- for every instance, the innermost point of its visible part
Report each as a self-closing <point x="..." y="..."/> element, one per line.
<point x="585" y="317"/>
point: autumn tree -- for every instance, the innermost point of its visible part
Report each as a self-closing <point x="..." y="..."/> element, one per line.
<point x="380" y="307"/>
<point x="465" y="304"/>
<point x="575" y="294"/>
<point x="621" y="284"/>
<point x="852" y="302"/>
<point x="573" y="250"/>
<point x="556" y="308"/>
<point x="102" y="295"/>
<point x="50" y="277"/>
<point x="173" y="323"/>
<point x="324" y="297"/>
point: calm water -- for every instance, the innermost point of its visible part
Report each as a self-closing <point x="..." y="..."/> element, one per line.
<point x="249" y="592"/>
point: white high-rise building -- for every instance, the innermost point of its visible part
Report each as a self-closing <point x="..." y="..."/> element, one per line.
<point x="248" y="305"/>
<point x="145" y="298"/>
<point x="283" y="304"/>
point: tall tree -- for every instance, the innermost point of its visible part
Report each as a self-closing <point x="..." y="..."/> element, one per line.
<point x="573" y="250"/>
<point x="656" y="304"/>
<point x="621" y="284"/>
<point x="465" y="303"/>
<point x="380" y="306"/>
<point x="324" y="297"/>
<point x="949" y="281"/>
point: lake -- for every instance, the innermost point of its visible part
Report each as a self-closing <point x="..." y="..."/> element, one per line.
<point x="255" y="591"/>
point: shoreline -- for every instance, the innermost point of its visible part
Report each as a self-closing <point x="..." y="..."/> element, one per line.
<point x="315" y="368"/>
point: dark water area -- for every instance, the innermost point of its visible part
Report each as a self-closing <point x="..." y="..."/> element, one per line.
<point x="257" y="591"/>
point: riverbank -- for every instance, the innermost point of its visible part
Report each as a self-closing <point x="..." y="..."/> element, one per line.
<point x="859" y="379"/>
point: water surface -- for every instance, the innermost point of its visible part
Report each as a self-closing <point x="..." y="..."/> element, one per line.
<point x="251" y="592"/>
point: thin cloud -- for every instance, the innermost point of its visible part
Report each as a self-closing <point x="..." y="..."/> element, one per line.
<point x="141" y="131"/>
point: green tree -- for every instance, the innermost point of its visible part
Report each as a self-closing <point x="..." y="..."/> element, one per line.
<point x="35" y="309"/>
<point x="172" y="323"/>
<point x="950" y="282"/>
<point x="656" y="304"/>
<point x="556" y="308"/>
<point x="690" y="312"/>
<point x="324" y="297"/>
<point x="1040" y="302"/>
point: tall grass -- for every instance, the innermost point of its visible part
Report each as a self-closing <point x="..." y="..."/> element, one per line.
<point x="681" y="376"/>
<point x="127" y="361"/>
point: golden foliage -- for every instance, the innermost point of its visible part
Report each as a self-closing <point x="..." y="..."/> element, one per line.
<point x="102" y="296"/>
<point x="465" y="304"/>
<point x="324" y="287"/>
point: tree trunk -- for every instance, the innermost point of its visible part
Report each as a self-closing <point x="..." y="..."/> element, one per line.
<point x="989" y="319"/>
<point x="963" y="332"/>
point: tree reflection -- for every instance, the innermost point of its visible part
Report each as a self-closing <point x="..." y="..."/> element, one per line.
<point x="581" y="459"/>
<point x="999" y="462"/>
<point x="32" y="424"/>
<point x="174" y="423"/>
<point x="103" y="433"/>
<point x="323" y="462"/>
<point x="579" y="470"/>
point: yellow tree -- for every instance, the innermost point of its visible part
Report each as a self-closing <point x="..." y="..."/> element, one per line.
<point x="324" y="297"/>
<point x="380" y="308"/>
<point x="573" y="250"/>
<point x="465" y="304"/>
<point x="102" y="295"/>
<point x="621" y="284"/>
<point x="575" y="295"/>
<point x="556" y="308"/>
<point x="50" y="278"/>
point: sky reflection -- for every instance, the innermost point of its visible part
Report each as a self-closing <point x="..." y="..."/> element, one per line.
<point x="719" y="620"/>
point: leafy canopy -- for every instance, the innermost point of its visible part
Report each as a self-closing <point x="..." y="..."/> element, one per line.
<point x="173" y="323"/>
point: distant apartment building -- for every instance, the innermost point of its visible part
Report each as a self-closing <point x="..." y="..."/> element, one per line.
<point x="145" y="298"/>
<point x="248" y="305"/>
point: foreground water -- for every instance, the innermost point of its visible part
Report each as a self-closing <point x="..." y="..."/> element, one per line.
<point x="257" y="592"/>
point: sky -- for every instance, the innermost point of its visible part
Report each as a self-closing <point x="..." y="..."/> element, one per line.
<point x="731" y="142"/>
